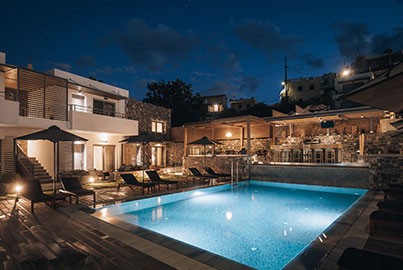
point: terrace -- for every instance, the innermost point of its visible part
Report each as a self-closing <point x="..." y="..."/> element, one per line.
<point x="71" y="237"/>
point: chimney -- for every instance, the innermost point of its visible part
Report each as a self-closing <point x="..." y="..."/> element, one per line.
<point x="29" y="66"/>
<point x="2" y="58"/>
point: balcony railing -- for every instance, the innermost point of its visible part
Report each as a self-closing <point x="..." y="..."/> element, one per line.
<point x="86" y="109"/>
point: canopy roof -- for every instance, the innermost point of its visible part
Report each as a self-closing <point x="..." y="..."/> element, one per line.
<point x="53" y="134"/>
<point x="204" y="141"/>
<point x="141" y="138"/>
<point x="384" y="92"/>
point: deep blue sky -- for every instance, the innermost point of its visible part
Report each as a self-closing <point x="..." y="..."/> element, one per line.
<point x="232" y="47"/>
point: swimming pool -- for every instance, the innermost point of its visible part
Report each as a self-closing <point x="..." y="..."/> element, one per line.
<point x="260" y="224"/>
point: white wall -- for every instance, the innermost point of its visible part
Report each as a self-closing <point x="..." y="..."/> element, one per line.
<point x="9" y="111"/>
<point x="43" y="152"/>
<point x="100" y="139"/>
<point x="90" y="83"/>
<point x="82" y="121"/>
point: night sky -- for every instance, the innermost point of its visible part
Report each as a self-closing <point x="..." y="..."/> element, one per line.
<point x="232" y="47"/>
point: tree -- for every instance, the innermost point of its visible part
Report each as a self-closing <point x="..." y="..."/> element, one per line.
<point x="178" y="96"/>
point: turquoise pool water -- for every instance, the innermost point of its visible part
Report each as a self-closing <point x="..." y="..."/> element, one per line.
<point x="260" y="224"/>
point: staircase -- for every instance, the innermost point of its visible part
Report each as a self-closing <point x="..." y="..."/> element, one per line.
<point x="33" y="170"/>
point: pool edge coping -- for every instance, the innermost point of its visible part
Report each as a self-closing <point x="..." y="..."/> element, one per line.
<point x="212" y="260"/>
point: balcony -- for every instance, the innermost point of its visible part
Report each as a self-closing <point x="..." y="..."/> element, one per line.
<point x="84" y="118"/>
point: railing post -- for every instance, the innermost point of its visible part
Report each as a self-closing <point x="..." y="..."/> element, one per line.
<point x="232" y="173"/>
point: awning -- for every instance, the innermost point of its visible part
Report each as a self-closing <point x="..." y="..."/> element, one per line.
<point x="384" y="92"/>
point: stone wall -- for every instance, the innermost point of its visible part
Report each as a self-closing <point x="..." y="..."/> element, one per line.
<point x="174" y="154"/>
<point x="145" y="113"/>
<point x="385" y="151"/>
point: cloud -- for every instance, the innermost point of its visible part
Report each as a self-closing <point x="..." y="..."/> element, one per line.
<point x="355" y="38"/>
<point x="266" y="36"/>
<point x="140" y="87"/>
<point x="63" y="66"/>
<point x="313" y="61"/>
<point x="220" y="87"/>
<point x="392" y="39"/>
<point x="155" y="47"/>
<point x="352" y="38"/>
<point x="86" y="61"/>
<point x="203" y="74"/>
<point x="224" y="57"/>
<point x="236" y="86"/>
<point x="250" y="83"/>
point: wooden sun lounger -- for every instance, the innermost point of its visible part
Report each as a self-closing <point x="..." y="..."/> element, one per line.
<point x="357" y="259"/>
<point x="131" y="181"/>
<point x="393" y="193"/>
<point x="72" y="186"/>
<point x="156" y="179"/>
<point x="393" y="221"/>
<point x="212" y="173"/>
<point x="32" y="191"/>
<point x="391" y="206"/>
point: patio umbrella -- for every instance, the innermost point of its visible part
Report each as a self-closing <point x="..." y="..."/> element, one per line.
<point x="55" y="135"/>
<point x="204" y="141"/>
<point x="143" y="139"/>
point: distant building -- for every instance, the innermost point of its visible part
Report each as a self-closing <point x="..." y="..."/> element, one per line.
<point x="242" y="104"/>
<point x="302" y="89"/>
<point x="362" y="70"/>
<point x="215" y="104"/>
<point x="371" y="63"/>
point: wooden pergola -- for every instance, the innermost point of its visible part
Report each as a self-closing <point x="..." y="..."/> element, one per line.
<point x="241" y="124"/>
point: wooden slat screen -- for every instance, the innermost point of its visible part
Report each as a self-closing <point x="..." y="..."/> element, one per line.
<point x="45" y="95"/>
<point x="65" y="156"/>
<point x="7" y="159"/>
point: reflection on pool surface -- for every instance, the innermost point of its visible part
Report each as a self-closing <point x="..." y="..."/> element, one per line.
<point x="261" y="224"/>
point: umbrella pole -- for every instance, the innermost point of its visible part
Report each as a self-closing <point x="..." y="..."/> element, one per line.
<point x="54" y="168"/>
<point x="205" y="150"/>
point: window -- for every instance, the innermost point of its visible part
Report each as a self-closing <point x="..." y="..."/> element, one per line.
<point x="312" y="87"/>
<point x="103" y="107"/>
<point x="157" y="127"/>
<point x="300" y="87"/>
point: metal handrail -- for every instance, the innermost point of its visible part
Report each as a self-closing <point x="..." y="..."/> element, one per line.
<point x="87" y="109"/>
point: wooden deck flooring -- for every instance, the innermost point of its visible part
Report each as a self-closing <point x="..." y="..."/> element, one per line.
<point x="50" y="239"/>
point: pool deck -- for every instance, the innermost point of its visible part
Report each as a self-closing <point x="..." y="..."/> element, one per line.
<point x="68" y="237"/>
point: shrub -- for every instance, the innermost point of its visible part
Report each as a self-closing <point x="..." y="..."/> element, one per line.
<point x="8" y="177"/>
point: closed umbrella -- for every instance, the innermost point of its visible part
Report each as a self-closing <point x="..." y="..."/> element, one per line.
<point x="55" y="135"/>
<point x="204" y="141"/>
<point x="143" y="139"/>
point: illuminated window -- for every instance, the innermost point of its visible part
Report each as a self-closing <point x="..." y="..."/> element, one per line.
<point x="157" y="127"/>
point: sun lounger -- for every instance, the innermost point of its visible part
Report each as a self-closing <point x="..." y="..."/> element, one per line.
<point x="198" y="175"/>
<point x="357" y="259"/>
<point x="156" y="179"/>
<point x="393" y="222"/>
<point x="32" y="191"/>
<point x="72" y="186"/>
<point x="391" y="206"/>
<point x="212" y="173"/>
<point x="131" y="181"/>
<point x="393" y="193"/>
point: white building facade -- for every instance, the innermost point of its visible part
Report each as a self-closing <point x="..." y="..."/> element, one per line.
<point x="32" y="101"/>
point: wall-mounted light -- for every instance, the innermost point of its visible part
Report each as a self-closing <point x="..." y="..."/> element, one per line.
<point x="228" y="134"/>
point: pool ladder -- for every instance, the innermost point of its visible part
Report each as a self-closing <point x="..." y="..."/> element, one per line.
<point x="236" y="172"/>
